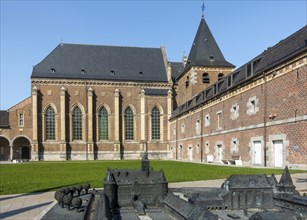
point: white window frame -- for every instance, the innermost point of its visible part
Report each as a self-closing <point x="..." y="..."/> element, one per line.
<point x="219" y="120"/>
<point x="207" y="120"/>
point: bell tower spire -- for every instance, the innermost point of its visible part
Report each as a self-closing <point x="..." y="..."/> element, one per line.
<point x="204" y="64"/>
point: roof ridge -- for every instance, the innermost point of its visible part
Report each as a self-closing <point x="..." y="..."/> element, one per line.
<point x="18" y="103"/>
<point x="283" y="41"/>
<point x="101" y="45"/>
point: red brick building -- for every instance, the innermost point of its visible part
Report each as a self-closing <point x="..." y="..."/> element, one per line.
<point x="107" y="102"/>
<point x="255" y="115"/>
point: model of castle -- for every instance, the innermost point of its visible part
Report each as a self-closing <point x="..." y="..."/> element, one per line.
<point x="145" y="192"/>
<point x="128" y="188"/>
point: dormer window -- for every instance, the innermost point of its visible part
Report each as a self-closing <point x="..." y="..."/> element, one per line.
<point x="229" y="81"/>
<point x="234" y="76"/>
<point x="141" y="73"/>
<point x="255" y="63"/>
<point x="52" y="70"/>
<point x="249" y="70"/>
<point x="112" y="72"/>
<point x="83" y="71"/>
<point x="206" y="78"/>
<point x="212" y="59"/>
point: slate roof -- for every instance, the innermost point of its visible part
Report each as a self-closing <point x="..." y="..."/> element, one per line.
<point x="285" y="179"/>
<point x="204" y="50"/>
<point x="4" y="119"/>
<point x="156" y="92"/>
<point x="114" y="63"/>
<point x="248" y="181"/>
<point x="125" y="176"/>
<point x="177" y="68"/>
<point x="292" y="46"/>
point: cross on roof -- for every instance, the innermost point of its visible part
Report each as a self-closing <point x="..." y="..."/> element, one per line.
<point x="203" y="9"/>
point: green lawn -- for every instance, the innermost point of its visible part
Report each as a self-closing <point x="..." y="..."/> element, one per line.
<point x="48" y="176"/>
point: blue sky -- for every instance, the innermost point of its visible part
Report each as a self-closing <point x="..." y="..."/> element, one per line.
<point x="30" y="30"/>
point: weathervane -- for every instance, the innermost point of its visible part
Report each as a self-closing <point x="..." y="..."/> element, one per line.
<point x="203" y="9"/>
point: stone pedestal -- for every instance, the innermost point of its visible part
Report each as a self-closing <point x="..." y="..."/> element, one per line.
<point x="90" y="151"/>
<point x="143" y="146"/>
<point x="62" y="154"/>
<point x="34" y="151"/>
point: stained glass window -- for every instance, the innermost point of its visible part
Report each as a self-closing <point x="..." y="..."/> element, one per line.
<point x="50" y="124"/>
<point x="155" y="124"/>
<point x="129" y="127"/>
<point x="103" y="124"/>
<point x="77" y="124"/>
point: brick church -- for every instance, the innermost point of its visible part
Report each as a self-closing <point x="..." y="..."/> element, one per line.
<point x="94" y="102"/>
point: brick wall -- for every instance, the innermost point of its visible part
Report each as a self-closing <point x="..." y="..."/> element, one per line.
<point x="268" y="110"/>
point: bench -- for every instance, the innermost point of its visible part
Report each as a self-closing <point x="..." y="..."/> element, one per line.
<point x="235" y="160"/>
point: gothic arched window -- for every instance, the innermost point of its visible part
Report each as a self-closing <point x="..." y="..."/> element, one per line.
<point x="50" y="124"/>
<point x="155" y="124"/>
<point x="103" y="124"/>
<point x="129" y="124"/>
<point x="77" y="124"/>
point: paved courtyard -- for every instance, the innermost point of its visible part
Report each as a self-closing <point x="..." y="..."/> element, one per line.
<point x="33" y="205"/>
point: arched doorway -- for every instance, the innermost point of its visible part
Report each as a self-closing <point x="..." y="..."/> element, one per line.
<point x="4" y="148"/>
<point x="21" y="148"/>
<point x="25" y="152"/>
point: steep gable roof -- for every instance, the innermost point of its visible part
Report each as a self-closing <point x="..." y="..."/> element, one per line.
<point x="204" y="50"/>
<point x="114" y="63"/>
<point x="177" y="68"/>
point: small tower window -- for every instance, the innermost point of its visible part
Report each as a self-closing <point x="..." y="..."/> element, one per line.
<point x="220" y="76"/>
<point x="187" y="82"/>
<point x="206" y="78"/>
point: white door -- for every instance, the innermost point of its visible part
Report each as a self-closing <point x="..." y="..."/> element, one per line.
<point x="190" y="154"/>
<point x="219" y="152"/>
<point x="278" y="153"/>
<point x="180" y="152"/>
<point x="257" y="152"/>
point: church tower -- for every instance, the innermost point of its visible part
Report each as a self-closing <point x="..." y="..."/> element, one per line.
<point x="205" y="65"/>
